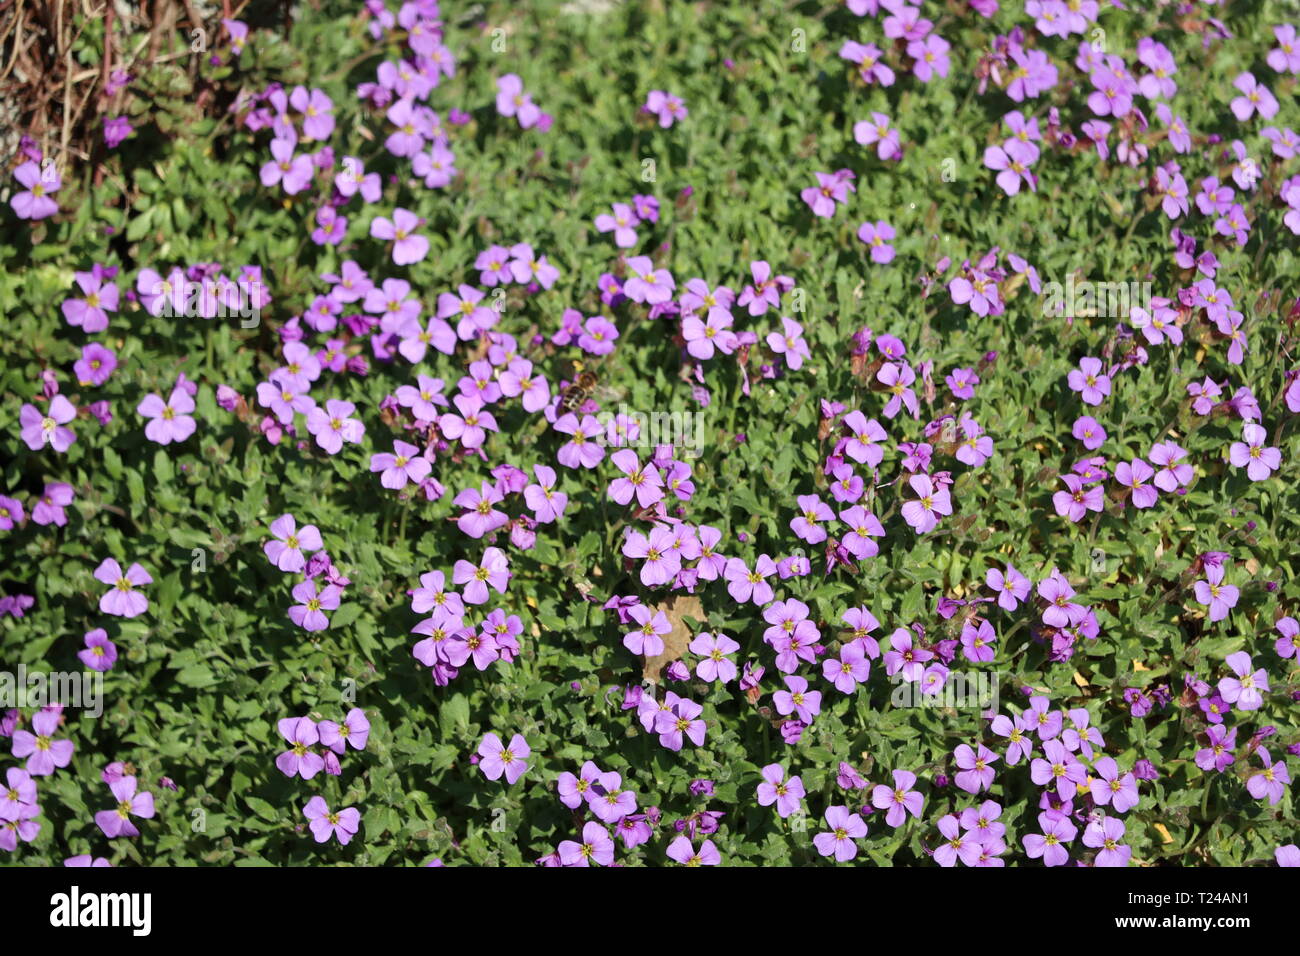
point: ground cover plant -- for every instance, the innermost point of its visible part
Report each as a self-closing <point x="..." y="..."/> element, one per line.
<point x="601" y="433"/>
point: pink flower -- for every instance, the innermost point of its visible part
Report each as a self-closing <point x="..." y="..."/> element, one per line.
<point x="1089" y="379"/>
<point x="39" y="430"/>
<point x="1255" y="96"/>
<point x="1076" y="501"/>
<point x="845" y="828"/>
<point x="43" y="753"/>
<point x="323" y="823"/>
<point x="622" y="222"/>
<point x="716" y="665"/>
<point x="35" y="202"/>
<point x="407" y="464"/>
<point x="170" y="421"/>
<point x="309" y="612"/>
<point x="287" y="551"/>
<point x="1220" y="598"/>
<point x="121" y="600"/>
<point x="789" y="343"/>
<point x="498" y="759"/>
<point x="878" y="237"/>
<point x="408" y="247"/>
<point x="647" y="639"/>
<point x="1251" y="453"/>
<point x="684" y="853"/>
<point x="117" y="822"/>
<point x="1246" y="689"/>
<point x="923" y="513"/>
<point x="666" y="106"/>
<point x="302" y="733"/>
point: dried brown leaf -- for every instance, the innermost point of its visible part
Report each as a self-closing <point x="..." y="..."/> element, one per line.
<point x="675" y="609"/>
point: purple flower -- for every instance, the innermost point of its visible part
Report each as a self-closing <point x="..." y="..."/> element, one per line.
<point x="41" y="181"/>
<point x="169" y="421"/>
<point x="100" y="653"/>
<point x="597" y="846"/>
<point x="643" y="481"/>
<point x="849" y="669"/>
<point x="1010" y="585"/>
<point x="1108" y="787"/>
<point x="1057" y="830"/>
<point x="1174" y="190"/>
<point x="1255" y="97"/>
<point x="44" y="754"/>
<point x="287" y="551"/>
<point x="1076" y="500"/>
<point x="1218" y="755"/>
<point x="1058" y="767"/>
<point x="293" y="173"/>
<point x="899" y="800"/>
<point x="1245" y="690"/>
<point x="831" y="188"/>
<point x="122" y="600"/>
<point x="480" y="517"/>
<point x="407" y="464"/>
<point x="308" y="613"/>
<point x="39" y="430"/>
<point x="667" y="107"/>
<point x="845" y="828"/>
<point x="301" y="733"/>
<point x="1220" y="598"/>
<point x="975" y="773"/>
<point x="95" y="366"/>
<point x="622" y="222"/>
<point x="354" y="730"/>
<point x="647" y="640"/>
<point x="324" y="823"/>
<point x="806" y="524"/>
<point x="1012" y="160"/>
<point x="716" y="665"/>
<point x="331" y="426"/>
<point x="1252" y="454"/>
<point x="932" y="502"/>
<point x="1133" y="475"/>
<point x="100" y="297"/>
<point x="1105" y="835"/>
<point x="646" y="283"/>
<point x="117" y="822"/>
<point x="498" y="759"/>
<point x="877" y="132"/>
<point x="956" y="845"/>
<point x="408" y="247"/>
<point x="684" y="853"/>
<point x="961" y="382"/>
<point x="904" y="657"/>
<point x="493" y="571"/>
<point x="744" y="584"/>
<point x="1089" y="379"/>
<point x="798" y="699"/>
<point x="679" y="719"/>
<point x="776" y="788"/>
<point x="789" y="343"/>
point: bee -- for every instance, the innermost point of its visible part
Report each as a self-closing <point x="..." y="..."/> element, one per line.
<point x="576" y="395"/>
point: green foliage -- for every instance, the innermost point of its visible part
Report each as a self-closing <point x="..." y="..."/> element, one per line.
<point x="205" y="675"/>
